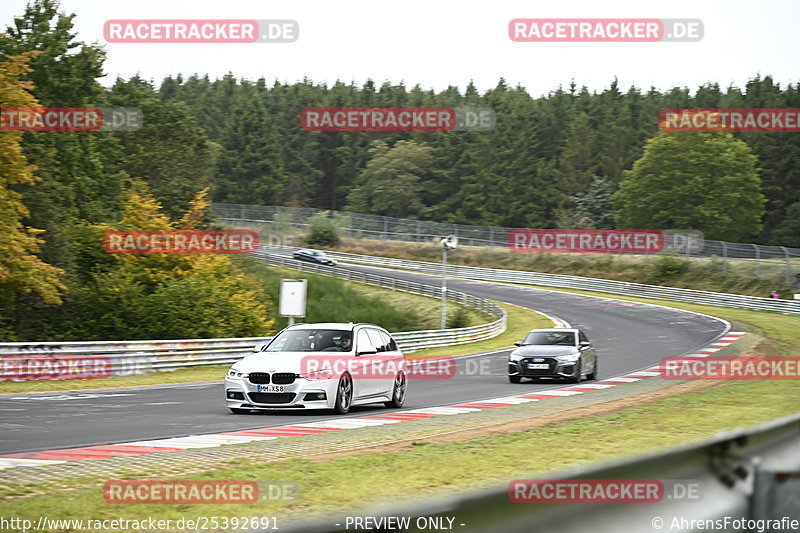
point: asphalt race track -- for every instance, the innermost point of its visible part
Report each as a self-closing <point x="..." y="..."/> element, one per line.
<point x="627" y="336"/>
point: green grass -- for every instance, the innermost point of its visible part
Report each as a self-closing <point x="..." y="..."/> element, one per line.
<point x="693" y="273"/>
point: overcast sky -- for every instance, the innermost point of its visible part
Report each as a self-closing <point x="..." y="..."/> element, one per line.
<point x="436" y="43"/>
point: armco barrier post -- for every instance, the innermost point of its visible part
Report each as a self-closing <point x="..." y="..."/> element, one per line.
<point x="787" y="277"/>
<point x="724" y="257"/>
<point x="758" y="261"/>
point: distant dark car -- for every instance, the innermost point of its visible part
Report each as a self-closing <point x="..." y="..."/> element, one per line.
<point x="563" y="353"/>
<point x="314" y="256"/>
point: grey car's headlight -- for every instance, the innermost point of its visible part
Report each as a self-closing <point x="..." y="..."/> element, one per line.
<point x="570" y="358"/>
<point x="514" y="356"/>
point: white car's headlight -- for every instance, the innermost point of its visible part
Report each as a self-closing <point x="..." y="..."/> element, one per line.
<point x="569" y="358"/>
<point x="325" y="373"/>
<point x="235" y="374"/>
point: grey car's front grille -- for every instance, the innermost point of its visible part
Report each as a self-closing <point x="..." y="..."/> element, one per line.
<point x="551" y="366"/>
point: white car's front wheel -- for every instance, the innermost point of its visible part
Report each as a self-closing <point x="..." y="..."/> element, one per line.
<point x="344" y="394"/>
<point x="399" y="391"/>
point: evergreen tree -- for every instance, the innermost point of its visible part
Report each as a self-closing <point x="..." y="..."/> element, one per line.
<point x="577" y="163"/>
<point x="170" y="152"/>
<point x="250" y="167"/>
<point x="703" y="181"/>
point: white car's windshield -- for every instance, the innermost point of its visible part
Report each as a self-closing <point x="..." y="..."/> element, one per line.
<point x="312" y="340"/>
<point x="560" y="338"/>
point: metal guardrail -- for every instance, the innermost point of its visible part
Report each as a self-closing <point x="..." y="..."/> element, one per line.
<point x="133" y="357"/>
<point x="576" y="282"/>
<point x="751" y="475"/>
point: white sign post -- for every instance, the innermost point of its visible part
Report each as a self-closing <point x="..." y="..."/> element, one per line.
<point x="448" y="243"/>
<point x="293" y="299"/>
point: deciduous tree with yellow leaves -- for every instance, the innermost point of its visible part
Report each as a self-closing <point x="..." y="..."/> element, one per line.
<point x="21" y="270"/>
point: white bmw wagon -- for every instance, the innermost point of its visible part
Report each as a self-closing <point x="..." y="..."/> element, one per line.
<point x="319" y="366"/>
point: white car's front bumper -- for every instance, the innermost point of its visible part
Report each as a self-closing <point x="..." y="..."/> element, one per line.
<point x="301" y="394"/>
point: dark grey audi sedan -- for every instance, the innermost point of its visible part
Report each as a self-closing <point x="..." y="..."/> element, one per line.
<point x="560" y="353"/>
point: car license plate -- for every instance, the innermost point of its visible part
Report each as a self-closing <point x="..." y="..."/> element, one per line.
<point x="538" y="366"/>
<point x="270" y="388"/>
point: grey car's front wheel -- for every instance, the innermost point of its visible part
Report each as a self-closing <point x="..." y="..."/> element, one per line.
<point x="344" y="394"/>
<point x="577" y="377"/>
<point x="398" y="391"/>
<point x="593" y="375"/>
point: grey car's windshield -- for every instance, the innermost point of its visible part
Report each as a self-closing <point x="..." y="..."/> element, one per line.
<point x="312" y="340"/>
<point x="558" y="338"/>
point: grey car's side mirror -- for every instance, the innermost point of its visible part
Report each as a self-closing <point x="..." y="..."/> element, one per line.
<point x="518" y="343"/>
